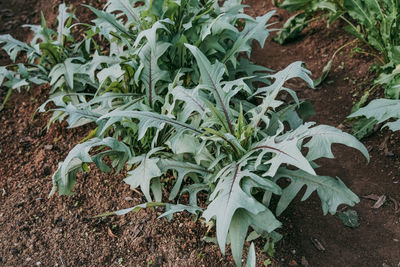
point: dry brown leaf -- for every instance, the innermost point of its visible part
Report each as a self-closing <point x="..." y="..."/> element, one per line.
<point x="110" y="233"/>
<point x="396" y="204"/>
<point x="379" y="202"/>
<point x="371" y="197"/>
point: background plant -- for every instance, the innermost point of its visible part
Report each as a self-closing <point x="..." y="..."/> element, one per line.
<point x="375" y="23"/>
<point x="169" y="87"/>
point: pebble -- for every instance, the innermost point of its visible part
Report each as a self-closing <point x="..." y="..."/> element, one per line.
<point x="38" y="263"/>
<point x="48" y="147"/>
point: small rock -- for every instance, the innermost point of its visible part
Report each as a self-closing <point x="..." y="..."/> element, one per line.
<point x="48" y="147"/>
<point x="128" y="199"/>
<point x="28" y="259"/>
<point x="38" y="263"/>
<point x="293" y="251"/>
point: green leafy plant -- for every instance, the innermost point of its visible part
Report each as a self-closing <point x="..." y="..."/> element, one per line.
<point x="382" y="110"/>
<point x="375" y="23"/>
<point x="172" y="93"/>
<point x="305" y="14"/>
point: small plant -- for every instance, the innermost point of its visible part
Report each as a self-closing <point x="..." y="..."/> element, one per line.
<point x="172" y="93"/>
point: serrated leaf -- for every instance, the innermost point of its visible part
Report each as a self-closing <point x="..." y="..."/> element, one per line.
<point x="126" y="8"/>
<point x="13" y="46"/>
<point x="331" y="191"/>
<point x="62" y="18"/>
<point x="65" y="71"/>
<point x="148" y="120"/>
<point x="183" y="169"/>
<point x="255" y="29"/>
<point x="323" y="136"/>
<point x="381" y="110"/>
<point x="142" y="175"/>
<point x="211" y="76"/>
<point x="284" y="151"/>
<point x="228" y="197"/>
<point x="65" y="176"/>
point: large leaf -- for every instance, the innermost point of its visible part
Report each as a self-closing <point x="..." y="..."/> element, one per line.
<point x="323" y="136"/>
<point x="228" y="197"/>
<point x="64" y="72"/>
<point x="65" y="177"/>
<point x="150" y="72"/>
<point x="331" y="191"/>
<point x="148" y="120"/>
<point x="62" y="18"/>
<point x="191" y="100"/>
<point x="13" y="46"/>
<point x="142" y="175"/>
<point x="238" y="229"/>
<point x="284" y="152"/>
<point x="126" y="9"/>
<point x="382" y="110"/>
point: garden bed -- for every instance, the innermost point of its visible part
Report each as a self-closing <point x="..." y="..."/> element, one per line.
<point x="61" y="231"/>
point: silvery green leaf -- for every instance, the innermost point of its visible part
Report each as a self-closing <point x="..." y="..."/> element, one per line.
<point x="191" y="100"/>
<point x="65" y="176"/>
<point x="332" y="191"/>
<point x="148" y="120"/>
<point x="241" y="221"/>
<point x="228" y="197"/>
<point x="62" y="18"/>
<point x="13" y="46"/>
<point x="126" y="9"/>
<point x="90" y="67"/>
<point x="170" y="209"/>
<point x="183" y="169"/>
<point x="255" y="29"/>
<point x="104" y="18"/>
<point x="211" y="76"/>
<point x="382" y="110"/>
<point x="323" y="136"/>
<point x="142" y="175"/>
<point x="114" y="73"/>
<point x="64" y="72"/>
<point x="283" y="152"/>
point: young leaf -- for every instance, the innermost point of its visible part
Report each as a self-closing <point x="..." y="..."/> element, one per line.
<point x="182" y="168"/>
<point x="211" y="76"/>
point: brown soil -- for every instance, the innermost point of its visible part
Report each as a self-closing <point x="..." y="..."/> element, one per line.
<point x="61" y="231"/>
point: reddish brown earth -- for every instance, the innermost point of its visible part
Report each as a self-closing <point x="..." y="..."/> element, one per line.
<point x="61" y="231"/>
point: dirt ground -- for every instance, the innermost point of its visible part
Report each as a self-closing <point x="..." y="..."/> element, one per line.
<point x="61" y="231"/>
